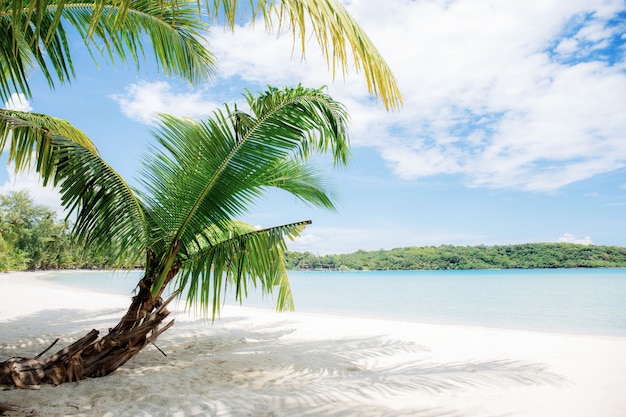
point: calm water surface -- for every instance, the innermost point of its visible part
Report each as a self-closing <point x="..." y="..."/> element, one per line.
<point x="590" y="301"/>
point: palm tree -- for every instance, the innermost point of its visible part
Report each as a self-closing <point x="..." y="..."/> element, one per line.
<point x="182" y="221"/>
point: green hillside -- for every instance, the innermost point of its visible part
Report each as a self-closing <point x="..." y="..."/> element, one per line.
<point x="529" y="255"/>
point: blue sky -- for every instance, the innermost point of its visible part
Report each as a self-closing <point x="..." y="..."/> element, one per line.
<point x="513" y="128"/>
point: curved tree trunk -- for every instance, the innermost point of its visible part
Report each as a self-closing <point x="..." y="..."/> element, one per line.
<point x="91" y="356"/>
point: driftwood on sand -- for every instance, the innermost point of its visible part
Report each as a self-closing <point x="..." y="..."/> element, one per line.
<point x="91" y="356"/>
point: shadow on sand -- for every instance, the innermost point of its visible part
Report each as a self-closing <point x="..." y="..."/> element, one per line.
<point x="237" y="367"/>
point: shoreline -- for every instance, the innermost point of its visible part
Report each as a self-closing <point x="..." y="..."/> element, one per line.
<point x="37" y="279"/>
<point x="253" y="362"/>
<point x="574" y="317"/>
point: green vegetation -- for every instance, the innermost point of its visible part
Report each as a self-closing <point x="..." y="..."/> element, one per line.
<point x="529" y="255"/>
<point x="32" y="238"/>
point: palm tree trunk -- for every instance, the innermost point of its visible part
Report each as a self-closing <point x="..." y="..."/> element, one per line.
<point x="91" y="356"/>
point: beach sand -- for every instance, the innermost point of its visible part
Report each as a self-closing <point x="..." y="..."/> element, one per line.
<point x="260" y="363"/>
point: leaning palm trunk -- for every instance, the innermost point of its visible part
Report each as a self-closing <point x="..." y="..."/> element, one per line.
<point x="91" y="356"/>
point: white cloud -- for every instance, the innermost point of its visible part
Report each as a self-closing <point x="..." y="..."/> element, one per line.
<point x="18" y="101"/>
<point x="567" y="46"/>
<point x="144" y="100"/>
<point x="305" y="242"/>
<point x="570" y="238"/>
<point x="31" y="182"/>
<point x="508" y="94"/>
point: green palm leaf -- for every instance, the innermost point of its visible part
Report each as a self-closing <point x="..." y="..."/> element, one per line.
<point x="208" y="173"/>
<point x="119" y="24"/>
<point x="339" y="36"/>
<point x="109" y="218"/>
<point x="174" y="31"/>
<point x="34" y="34"/>
<point x="240" y="256"/>
<point x="28" y="134"/>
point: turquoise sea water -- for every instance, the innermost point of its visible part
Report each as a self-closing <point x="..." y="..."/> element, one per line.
<point x="589" y="301"/>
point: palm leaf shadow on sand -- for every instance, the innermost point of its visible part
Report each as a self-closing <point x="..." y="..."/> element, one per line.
<point x="236" y="368"/>
<point x="262" y="369"/>
<point x="29" y="335"/>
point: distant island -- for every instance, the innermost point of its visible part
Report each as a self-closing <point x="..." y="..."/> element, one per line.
<point x="446" y="257"/>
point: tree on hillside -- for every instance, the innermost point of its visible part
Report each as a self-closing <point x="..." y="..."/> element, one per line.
<point x="182" y="220"/>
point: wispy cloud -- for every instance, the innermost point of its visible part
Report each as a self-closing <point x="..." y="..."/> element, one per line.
<point x="143" y="101"/>
<point x="18" y="101"/>
<point x="492" y="101"/>
<point x="517" y="94"/>
<point x="31" y="182"/>
<point x="570" y="238"/>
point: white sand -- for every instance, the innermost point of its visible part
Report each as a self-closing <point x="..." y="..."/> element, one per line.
<point x="260" y="363"/>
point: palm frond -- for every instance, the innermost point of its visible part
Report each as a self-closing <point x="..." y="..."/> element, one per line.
<point x="20" y="50"/>
<point x="175" y="31"/>
<point x="304" y="181"/>
<point x="308" y="116"/>
<point x="34" y="30"/>
<point x="210" y="172"/>
<point x="31" y="135"/>
<point x="239" y="256"/>
<point x="109" y="217"/>
<point x="34" y="35"/>
<point x="342" y="41"/>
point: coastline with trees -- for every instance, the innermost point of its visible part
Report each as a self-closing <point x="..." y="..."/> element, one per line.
<point x="32" y="238"/>
<point x="447" y="257"/>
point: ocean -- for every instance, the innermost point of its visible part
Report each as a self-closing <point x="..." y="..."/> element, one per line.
<point x="583" y="301"/>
